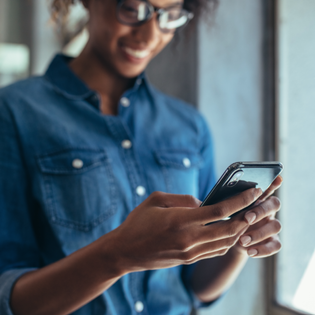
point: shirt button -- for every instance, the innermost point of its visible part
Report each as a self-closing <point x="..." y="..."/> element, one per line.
<point x="139" y="80"/>
<point x="125" y="101"/>
<point x="77" y="163"/>
<point x="126" y="144"/>
<point x="186" y="162"/>
<point x="140" y="190"/>
<point x="139" y="306"/>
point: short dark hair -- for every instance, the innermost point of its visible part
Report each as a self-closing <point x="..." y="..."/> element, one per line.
<point x="60" y="8"/>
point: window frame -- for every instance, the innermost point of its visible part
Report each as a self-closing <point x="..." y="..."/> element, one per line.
<point x="271" y="134"/>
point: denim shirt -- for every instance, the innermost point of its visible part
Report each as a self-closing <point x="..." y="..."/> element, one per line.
<point x="70" y="174"/>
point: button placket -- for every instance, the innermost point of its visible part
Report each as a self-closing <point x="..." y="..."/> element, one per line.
<point x="140" y="190"/>
<point x="126" y="144"/>
<point x="139" y="306"/>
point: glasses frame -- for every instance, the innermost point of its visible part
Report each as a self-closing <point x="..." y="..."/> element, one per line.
<point x="153" y="9"/>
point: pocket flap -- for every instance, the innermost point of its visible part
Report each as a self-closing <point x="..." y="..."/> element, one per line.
<point x="177" y="158"/>
<point x="71" y="161"/>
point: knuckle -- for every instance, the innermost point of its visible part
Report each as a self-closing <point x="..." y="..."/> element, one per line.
<point x="157" y="196"/>
<point x="219" y="211"/>
<point x="191" y="200"/>
<point x="247" y="197"/>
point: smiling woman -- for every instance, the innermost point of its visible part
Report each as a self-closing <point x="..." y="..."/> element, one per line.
<point x="100" y="179"/>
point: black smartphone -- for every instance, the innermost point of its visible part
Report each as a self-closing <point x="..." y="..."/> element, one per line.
<point x="240" y="176"/>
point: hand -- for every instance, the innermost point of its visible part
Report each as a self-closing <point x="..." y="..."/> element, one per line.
<point x="261" y="238"/>
<point x="168" y="230"/>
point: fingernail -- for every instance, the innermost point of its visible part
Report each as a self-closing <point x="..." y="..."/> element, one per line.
<point x="245" y="239"/>
<point x="258" y="192"/>
<point x="252" y="252"/>
<point x="250" y="217"/>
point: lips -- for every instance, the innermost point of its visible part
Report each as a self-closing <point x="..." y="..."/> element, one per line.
<point x="135" y="53"/>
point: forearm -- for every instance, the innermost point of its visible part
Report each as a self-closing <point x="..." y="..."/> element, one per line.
<point x="68" y="284"/>
<point x="213" y="276"/>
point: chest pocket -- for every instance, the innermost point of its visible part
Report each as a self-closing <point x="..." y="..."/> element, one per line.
<point x="180" y="170"/>
<point x="78" y="188"/>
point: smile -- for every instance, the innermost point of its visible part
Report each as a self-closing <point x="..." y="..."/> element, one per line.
<point x="136" y="53"/>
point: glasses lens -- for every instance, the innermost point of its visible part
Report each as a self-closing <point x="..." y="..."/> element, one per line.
<point x="133" y="12"/>
<point x="173" y="18"/>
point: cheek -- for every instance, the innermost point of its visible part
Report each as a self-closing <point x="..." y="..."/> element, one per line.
<point x="164" y="40"/>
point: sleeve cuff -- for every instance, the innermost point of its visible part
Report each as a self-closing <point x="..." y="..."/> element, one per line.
<point x="7" y="281"/>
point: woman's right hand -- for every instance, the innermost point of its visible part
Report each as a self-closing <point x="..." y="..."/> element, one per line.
<point x="168" y="230"/>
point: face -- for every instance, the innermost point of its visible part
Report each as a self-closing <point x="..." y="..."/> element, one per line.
<point x="124" y="50"/>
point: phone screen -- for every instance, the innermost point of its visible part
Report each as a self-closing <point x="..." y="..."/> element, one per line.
<point x="241" y="176"/>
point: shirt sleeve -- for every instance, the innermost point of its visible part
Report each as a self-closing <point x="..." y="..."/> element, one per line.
<point x="207" y="174"/>
<point x="207" y="179"/>
<point x="18" y="247"/>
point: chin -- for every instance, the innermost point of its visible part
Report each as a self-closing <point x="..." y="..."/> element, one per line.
<point x="131" y="72"/>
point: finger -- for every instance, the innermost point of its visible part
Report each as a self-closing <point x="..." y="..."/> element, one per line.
<point x="270" y="229"/>
<point x="225" y="208"/>
<point x="263" y="210"/>
<point x="208" y="248"/>
<point x="165" y="200"/>
<point x="267" y="248"/>
<point x="220" y="230"/>
<point x="272" y="188"/>
<point x="206" y="256"/>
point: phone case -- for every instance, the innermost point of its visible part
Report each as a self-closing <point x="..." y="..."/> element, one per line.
<point x="240" y="176"/>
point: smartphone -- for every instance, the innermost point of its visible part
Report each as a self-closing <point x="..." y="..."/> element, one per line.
<point x="241" y="176"/>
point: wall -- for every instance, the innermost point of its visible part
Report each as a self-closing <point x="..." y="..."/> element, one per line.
<point x="230" y="96"/>
<point x="296" y="98"/>
<point x="45" y="43"/>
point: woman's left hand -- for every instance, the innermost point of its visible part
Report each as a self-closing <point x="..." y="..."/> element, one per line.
<point x="261" y="238"/>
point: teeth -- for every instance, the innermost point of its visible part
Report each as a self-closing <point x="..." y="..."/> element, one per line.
<point x="137" y="53"/>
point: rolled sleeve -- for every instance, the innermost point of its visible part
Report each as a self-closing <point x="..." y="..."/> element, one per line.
<point x="7" y="281"/>
<point x="186" y="276"/>
<point x="18" y="247"/>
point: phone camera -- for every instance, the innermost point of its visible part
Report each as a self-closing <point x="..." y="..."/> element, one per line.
<point x="235" y="178"/>
<point x="232" y="183"/>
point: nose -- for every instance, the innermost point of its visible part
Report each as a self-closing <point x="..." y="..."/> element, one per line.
<point x="148" y="32"/>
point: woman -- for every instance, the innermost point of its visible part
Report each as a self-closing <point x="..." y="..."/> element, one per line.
<point x="97" y="174"/>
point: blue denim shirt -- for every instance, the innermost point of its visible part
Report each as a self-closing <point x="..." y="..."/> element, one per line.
<point x="69" y="174"/>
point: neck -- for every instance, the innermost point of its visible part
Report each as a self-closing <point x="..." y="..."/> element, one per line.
<point x="109" y="85"/>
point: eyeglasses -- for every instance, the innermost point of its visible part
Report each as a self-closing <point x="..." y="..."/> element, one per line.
<point x="137" y="12"/>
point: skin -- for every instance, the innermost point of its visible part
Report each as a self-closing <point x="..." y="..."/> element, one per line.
<point x="104" y="65"/>
<point x="142" y="241"/>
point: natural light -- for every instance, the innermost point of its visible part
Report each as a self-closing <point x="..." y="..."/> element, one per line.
<point x="304" y="295"/>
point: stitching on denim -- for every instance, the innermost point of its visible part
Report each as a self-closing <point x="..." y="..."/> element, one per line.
<point x="87" y="226"/>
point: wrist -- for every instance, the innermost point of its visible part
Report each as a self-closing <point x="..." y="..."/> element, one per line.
<point x="110" y="257"/>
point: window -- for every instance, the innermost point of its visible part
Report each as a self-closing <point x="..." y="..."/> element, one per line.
<point x="295" y="265"/>
<point x="14" y="63"/>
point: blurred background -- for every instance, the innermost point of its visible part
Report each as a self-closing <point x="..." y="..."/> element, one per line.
<point x="250" y="69"/>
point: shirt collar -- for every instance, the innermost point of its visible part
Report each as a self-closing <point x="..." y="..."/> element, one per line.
<point x="66" y="82"/>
